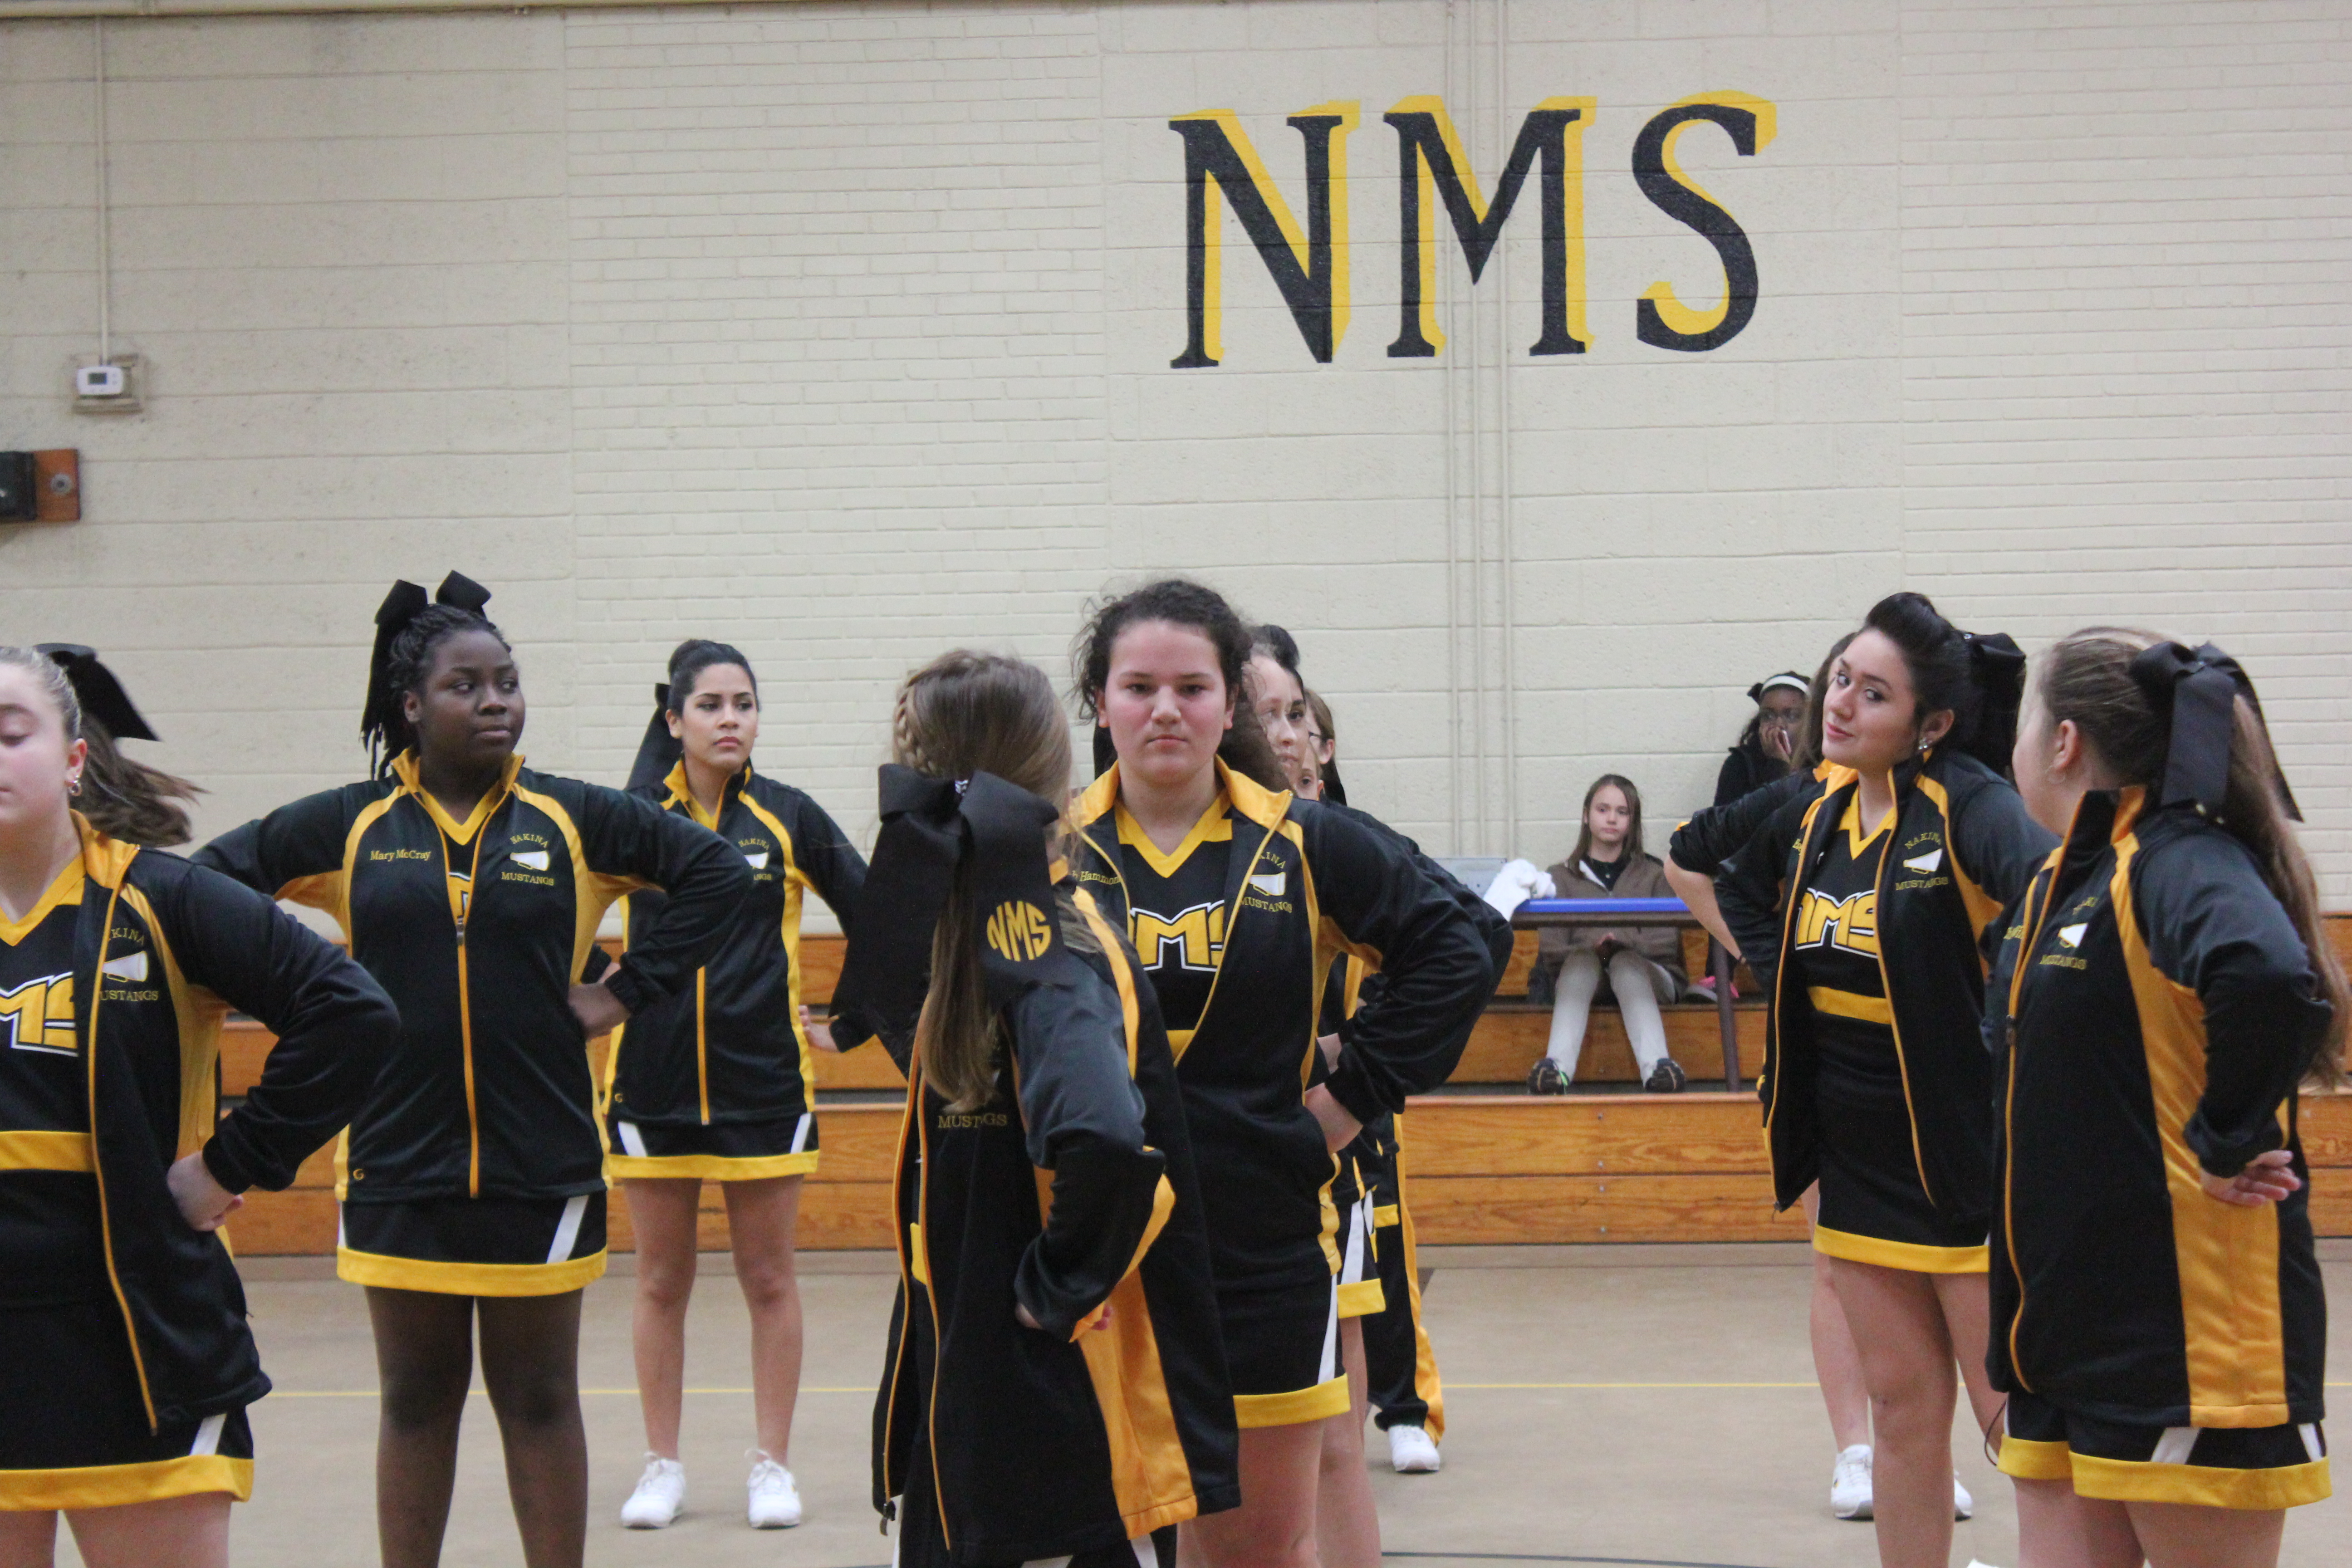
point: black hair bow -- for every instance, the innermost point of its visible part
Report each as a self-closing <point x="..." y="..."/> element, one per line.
<point x="931" y="827"/>
<point x="2193" y="693"/>
<point x="659" y="752"/>
<point x="380" y="714"/>
<point x="100" y="695"/>
<point x="1997" y="663"/>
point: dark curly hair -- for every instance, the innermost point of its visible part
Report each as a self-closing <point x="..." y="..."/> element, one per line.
<point x="1180" y="603"/>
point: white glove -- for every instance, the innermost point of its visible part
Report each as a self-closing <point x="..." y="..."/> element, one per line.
<point x="1514" y="885"/>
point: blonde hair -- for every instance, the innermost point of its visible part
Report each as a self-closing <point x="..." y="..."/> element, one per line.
<point x="966" y="713"/>
<point x="2086" y="677"/>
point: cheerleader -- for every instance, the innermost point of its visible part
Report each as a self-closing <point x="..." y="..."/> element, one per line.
<point x="714" y="1083"/>
<point x="1055" y="1388"/>
<point x="130" y="1364"/>
<point x="1726" y="865"/>
<point x="1878" y="1084"/>
<point x="1236" y="898"/>
<point x="472" y="1180"/>
<point x="2158" y="1320"/>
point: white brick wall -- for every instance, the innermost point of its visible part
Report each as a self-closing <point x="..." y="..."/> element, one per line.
<point x="842" y="331"/>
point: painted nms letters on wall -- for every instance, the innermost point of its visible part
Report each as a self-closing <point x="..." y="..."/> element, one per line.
<point x="1310" y="266"/>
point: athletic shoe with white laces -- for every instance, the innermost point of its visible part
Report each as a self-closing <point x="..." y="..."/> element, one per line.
<point x="1849" y="1483"/>
<point x="660" y="1496"/>
<point x="1963" y="1505"/>
<point x="775" y="1503"/>
<point x="1410" y="1452"/>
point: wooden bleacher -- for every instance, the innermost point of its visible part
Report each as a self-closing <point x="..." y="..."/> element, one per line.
<point x="1487" y="1162"/>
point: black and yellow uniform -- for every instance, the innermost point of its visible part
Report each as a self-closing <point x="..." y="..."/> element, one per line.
<point x="476" y="1168"/>
<point x="1877" y="1079"/>
<point x="1070" y="1192"/>
<point x="1243" y="957"/>
<point x="714" y="1082"/>
<point x="1351" y="1194"/>
<point x="129" y="1363"/>
<point x="1399" y="1364"/>
<point x="2156" y="1007"/>
<point x="1872" y="1197"/>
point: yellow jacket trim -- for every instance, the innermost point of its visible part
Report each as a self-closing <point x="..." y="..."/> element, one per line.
<point x="47" y="1152"/>
<point x="1364" y="1299"/>
<point x="1904" y="1255"/>
<point x="113" y="1486"/>
<point x="444" y="1278"/>
<point x="2228" y="1257"/>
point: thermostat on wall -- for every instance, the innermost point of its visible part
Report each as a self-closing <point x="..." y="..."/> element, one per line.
<point x="110" y="387"/>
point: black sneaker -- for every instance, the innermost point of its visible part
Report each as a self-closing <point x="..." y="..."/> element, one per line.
<point x="1667" y="1076"/>
<point x="1545" y="1077"/>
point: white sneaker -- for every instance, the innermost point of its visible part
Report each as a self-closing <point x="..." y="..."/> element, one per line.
<point x="1849" y="1483"/>
<point x="1410" y="1453"/>
<point x="775" y="1503"/>
<point x="1963" y="1505"/>
<point x="660" y="1495"/>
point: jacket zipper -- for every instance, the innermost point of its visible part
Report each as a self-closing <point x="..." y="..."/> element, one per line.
<point x="461" y="907"/>
<point x="1885" y="984"/>
<point x="931" y="1290"/>
<point x="2027" y="943"/>
<point x="96" y="1165"/>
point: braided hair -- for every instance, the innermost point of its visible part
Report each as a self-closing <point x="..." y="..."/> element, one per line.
<point x="407" y="631"/>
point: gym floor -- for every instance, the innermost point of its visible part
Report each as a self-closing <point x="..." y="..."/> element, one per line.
<point x="1612" y="1405"/>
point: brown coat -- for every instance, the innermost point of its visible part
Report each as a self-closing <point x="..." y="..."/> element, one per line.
<point x="1644" y="879"/>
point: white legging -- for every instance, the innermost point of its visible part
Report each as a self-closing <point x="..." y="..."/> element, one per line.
<point x="1633" y="979"/>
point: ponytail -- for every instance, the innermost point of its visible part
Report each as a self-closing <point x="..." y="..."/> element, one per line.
<point x="121" y="798"/>
<point x="2130" y="695"/>
<point x="961" y="715"/>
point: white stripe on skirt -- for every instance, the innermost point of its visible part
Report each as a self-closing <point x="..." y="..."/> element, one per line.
<point x="567" y="1230"/>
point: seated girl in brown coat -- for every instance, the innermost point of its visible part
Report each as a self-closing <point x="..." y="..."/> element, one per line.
<point x="1643" y="964"/>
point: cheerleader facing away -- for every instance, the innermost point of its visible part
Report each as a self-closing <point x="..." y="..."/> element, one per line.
<point x="1237" y="897"/>
<point x="1055" y="1387"/>
<point x="130" y="1364"/>
<point x="714" y="1083"/>
<point x="1877" y="1082"/>
<point x="2158" y="1320"/>
<point x="471" y="1183"/>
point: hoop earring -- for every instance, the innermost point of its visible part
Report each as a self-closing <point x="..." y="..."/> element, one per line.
<point x="73" y="785"/>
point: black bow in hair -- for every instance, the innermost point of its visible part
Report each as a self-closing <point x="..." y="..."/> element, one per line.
<point x="930" y="828"/>
<point x="380" y="714"/>
<point x="1997" y="662"/>
<point x="100" y="695"/>
<point x="2193" y="693"/>
<point x="659" y="752"/>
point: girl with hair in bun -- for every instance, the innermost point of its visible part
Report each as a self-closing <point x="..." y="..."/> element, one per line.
<point x="1054" y="1389"/>
<point x="1237" y="897"/>
<point x="1877" y="1082"/>
<point x="128" y="1364"/>
<point x="713" y="1083"/>
<point x="471" y="1183"/>
<point x="2158" y="1320"/>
